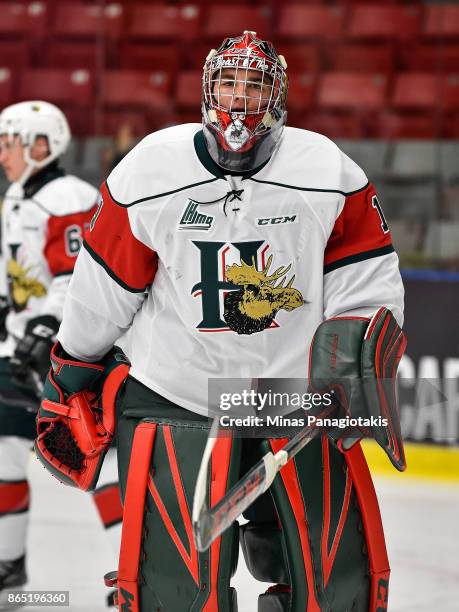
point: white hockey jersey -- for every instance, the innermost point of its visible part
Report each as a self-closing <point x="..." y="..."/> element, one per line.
<point x="227" y="276"/>
<point x="42" y="231"/>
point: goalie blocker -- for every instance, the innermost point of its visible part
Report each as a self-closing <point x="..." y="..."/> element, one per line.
<point x="316" y="532"/>
<point x="357" y="358"/>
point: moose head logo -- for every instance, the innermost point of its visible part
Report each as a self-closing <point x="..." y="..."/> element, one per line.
<point x="253" y="307"/>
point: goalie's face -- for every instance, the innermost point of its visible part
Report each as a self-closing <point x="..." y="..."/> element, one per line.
<point x="238" y="90"/>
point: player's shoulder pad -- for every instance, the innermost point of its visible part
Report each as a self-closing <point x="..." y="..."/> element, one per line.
<point x="162" y="163"/>
<point x="66" y="195"/>
<point x="311" y="161"/>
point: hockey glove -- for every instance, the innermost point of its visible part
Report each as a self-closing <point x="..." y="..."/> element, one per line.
<point x="31" y="355"/>
<point x="76" y="419"/>
<point x="357" y="359"/>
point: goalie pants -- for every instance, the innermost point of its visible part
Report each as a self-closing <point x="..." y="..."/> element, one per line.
<point x="308" y="533"/>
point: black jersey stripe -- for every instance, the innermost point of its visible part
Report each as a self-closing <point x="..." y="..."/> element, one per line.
<point x="345" y="261"/>
<point x="159" y="195"/>
<point x="344" y="193"/>
<point x="98" y="259"/>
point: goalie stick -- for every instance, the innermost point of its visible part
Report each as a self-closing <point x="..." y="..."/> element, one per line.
<point x="209" y="523"/>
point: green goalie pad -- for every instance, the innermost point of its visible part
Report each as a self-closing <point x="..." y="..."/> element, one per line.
<point x="357" y="359"/>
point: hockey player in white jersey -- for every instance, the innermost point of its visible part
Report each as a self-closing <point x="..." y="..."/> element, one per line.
<point x="229" y="250"/>
<point x="44" y="215"/>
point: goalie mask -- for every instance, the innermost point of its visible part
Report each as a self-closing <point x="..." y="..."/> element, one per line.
<point x="244" y="95"/>
<point x="28" y="121"/>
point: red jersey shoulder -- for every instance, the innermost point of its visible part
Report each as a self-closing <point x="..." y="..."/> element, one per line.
<point x="111" y="242"/>
<point x="360" y="231"/>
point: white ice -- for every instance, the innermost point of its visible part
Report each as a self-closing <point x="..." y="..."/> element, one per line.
<point x="68" y="550"/>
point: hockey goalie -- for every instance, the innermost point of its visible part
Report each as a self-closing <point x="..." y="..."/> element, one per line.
<point x="239" y="248"/>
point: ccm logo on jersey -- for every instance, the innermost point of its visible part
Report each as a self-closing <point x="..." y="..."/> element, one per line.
<point x="194" y="219"/>
<point x="276" y="220"/>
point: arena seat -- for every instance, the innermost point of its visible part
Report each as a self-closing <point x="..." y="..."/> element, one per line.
<point x="71" y="54"/>
<point x="297" y="21"/>
<point x="346" y="90"/>
<point x="144" y="56"/>
<point x="333" y="124"/>
<point x="128" y="88"/>
<point x="20" y="19"/>
<point x="301" y="93"/>
<point x="300" y="57"/>
<point x="164" y="21"/>
<point x="188" y="90"/>
<point x="74" y="20"/>
<point x="392" y="125"/>
<point x="14" y="54"/>
<point x="62" y="87"/>
<point x="426" y="91"/>
<point x="442" y="21"/>
<point x="382" y="21"/>
<point x="361" y="57"/>
<point x="225" y="20"/>
<point x="435" y="56"/>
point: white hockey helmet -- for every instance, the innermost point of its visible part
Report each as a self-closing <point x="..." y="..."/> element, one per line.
<point x="28" y="120"/>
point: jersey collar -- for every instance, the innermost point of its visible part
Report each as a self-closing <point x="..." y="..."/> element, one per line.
<point x="41" y="178"/>
<point x="209" y="164"/>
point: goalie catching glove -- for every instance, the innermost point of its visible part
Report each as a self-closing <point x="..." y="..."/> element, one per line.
<point x="357" y="359"/>
<point x="76" y="420"/>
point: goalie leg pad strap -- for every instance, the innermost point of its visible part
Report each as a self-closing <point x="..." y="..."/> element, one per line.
<point x="160" y="530"/>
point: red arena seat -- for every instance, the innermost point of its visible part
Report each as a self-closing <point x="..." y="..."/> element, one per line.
<point x="346" y="90"/>
<point x="228" y="20"/>
<point x="300" y="22"/>
<point x="376" y="21"/>
<point x="163" y="21"/>
<point x="63" y="87"/>
<point x="145" y="56"/>
<point x="71" y="54"/>
<point x="14" y="53"/>
<point x="23" y="19"/>
<point x="301" y="92"/>
<point x="442" y="21"/>
<point x="361" y="57"/>
<point x="431" y="56"/>
<point x="128" y="88"/>
<point x="333" y="125"/>
<point x="300" y="57"/>
<point x="426" y="91"/>
<point x="188" y="90"/>
<point x="393" y="125"/>
<point x="88" y="20"/>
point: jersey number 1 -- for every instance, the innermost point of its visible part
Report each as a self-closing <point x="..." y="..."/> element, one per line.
<point x="375" y="203"/>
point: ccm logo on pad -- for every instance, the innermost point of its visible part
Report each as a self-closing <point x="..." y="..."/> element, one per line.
<point x="276" y="220"/>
